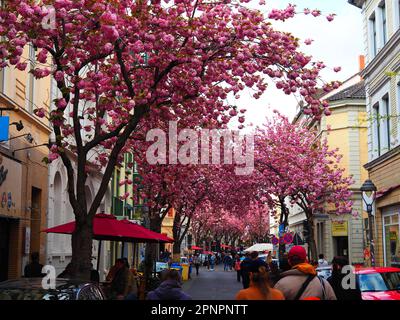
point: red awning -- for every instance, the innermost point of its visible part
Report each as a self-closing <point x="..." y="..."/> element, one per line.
<point x="108" y="227"/>
<point x="196" y="248"/>
<point x="225" y="246"/>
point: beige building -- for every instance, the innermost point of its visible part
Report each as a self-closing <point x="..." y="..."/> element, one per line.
<point x="24" y="177"/>
<point x="381" y="34"/>
<point x="341" y="234"/>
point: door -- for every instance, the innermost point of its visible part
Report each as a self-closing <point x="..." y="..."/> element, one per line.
<point x="342" y="246"/>
<point x="4" y="247"/>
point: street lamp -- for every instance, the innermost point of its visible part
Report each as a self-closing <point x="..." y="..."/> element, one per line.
<point x="368" y="194"/>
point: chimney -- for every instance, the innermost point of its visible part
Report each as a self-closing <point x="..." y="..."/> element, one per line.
<point x="361" y="60"/>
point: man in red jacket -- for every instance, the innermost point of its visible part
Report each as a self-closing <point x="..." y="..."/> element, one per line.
<point x="301" y="281"/>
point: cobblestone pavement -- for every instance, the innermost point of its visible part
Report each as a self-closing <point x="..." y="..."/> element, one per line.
<point x="212" y="285"/>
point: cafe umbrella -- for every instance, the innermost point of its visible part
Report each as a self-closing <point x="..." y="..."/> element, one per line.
<point x="107" y="227"/>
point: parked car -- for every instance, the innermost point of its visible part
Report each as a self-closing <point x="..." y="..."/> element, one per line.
<point x="32" y="289"/>
<point x="379" y="283"/>
<point x="264" y="257"/>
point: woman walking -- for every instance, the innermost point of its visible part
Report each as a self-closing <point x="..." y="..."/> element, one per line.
<point x="260" y="288"/>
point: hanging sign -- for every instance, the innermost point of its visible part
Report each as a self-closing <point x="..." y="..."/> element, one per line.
<point x="4" y="127"/>
<point x="339" y="229"/>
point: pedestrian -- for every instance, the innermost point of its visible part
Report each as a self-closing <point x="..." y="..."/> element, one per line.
<point x="259" y="288"/>
<point x="322" y="262"/>
<point x="34" y="268"/>
<point x="257" y="262"/>
<point x="336" y="280"/>
<point x="237" y="268"/>
<point x="190" y="265"/>
<point x="302" y="281"/>
<point x="170" y="287"/>
<point x="268" y="260"/>
<point x="196" y="262"/>
<point x="245" y="270"/>
<point x="226" y="262"/>
<point x="120" y="281"/>
<point x="212" y="262"/>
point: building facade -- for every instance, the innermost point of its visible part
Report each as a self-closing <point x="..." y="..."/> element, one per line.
<point x="345" y="129"/>
<point x="23" y="174"/>
<point x="381" y="34"/>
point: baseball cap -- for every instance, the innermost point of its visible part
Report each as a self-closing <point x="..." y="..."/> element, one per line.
<point x="298" y="251"/>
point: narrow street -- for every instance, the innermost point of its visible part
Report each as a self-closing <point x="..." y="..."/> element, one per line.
<point x="213" y="285"/>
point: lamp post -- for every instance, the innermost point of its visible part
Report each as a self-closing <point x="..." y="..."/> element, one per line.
<point x="368" y="190"/>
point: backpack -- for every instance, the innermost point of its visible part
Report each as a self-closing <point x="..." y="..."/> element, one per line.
<point x="307" y="282"/>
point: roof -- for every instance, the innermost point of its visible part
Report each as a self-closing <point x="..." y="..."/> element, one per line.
<point x="377" y="270"/>
<point x="356" y="91"/>
<point x="357" y="3"/>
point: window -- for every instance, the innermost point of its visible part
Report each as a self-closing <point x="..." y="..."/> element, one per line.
<point x="385" y="281"/>
<point x="373" y="36"/>
<point x="377" y="128"/>
<point x="382" y="8"/>
<point x="396" y="10"/>
<point x="386" y="120"/>
<point x="391" y="230"/>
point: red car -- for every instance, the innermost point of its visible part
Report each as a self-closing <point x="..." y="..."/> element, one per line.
<point x="379" y="283"/>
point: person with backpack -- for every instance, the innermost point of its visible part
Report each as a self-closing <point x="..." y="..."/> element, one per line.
<point x="301" y="281"/>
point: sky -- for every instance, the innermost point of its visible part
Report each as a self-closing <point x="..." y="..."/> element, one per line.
<point x="337" y="43"/>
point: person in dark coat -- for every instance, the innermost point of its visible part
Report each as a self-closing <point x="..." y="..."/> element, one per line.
<point x="170" y="288"/>
<point x="120" y="280"/>
<point x="335" y="280"/>
<point x="34" y="268"/>
<point x="245" y="270"/>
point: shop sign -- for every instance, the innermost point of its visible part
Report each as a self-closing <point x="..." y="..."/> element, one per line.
<point x="339" y="228"/>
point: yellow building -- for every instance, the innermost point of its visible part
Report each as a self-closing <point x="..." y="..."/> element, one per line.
<point x="347" y="126"/>
<point x="381" y="33"/>
<point x="24" y="177"/>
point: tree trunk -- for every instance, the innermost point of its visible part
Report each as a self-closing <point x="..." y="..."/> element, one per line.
<point x="151" y="252"/>
<point x="312" y="244"/>
<point x="82" y="248"/>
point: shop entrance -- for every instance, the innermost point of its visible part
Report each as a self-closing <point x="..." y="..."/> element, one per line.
<point x="4" y="247"/>
<point x="341" y="246"/>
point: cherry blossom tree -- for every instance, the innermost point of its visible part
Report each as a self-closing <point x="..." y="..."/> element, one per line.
<point x="115" y="63"/>
<point x="299" y="168"/>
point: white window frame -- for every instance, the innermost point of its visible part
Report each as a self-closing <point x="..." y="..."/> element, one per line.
<point x="398" y="108"/>
<point x="383" y="25"/>
<point x="373" y="35"/>
<point x="396" y="14"/>
<point x="377" y="98"/>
